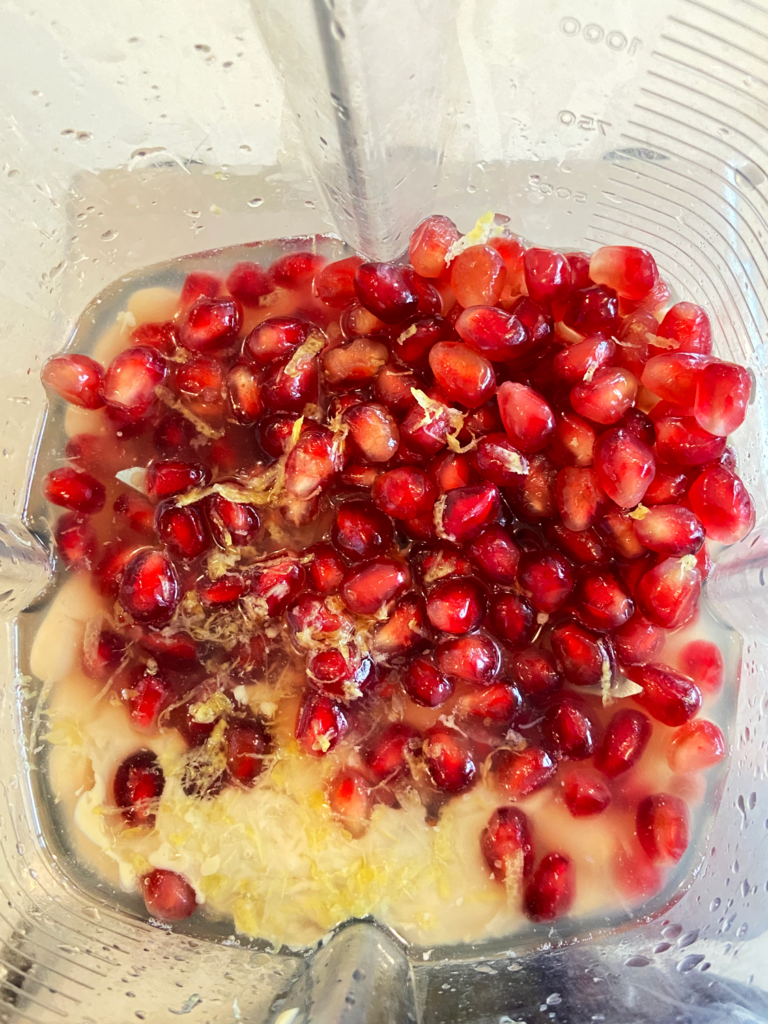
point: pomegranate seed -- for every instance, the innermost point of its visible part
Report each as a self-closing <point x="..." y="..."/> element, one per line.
<point x="625" y="466"/>
<point x="639" y="424"/>
<point x="722" y="503"/>
<point x="662" y="827"/>
<point x="584" y="658"/>
<point x="232" y="522"/>
<point x="429" y="244"/>
<point x="149" y="588"/>
<point x="276" y="433"/>
<point x="667" y="696"/>
<point x="582" y="546"/>
<point x="386" y="757"/>
<point x="173" y="435"/>
<point x="320" y="725"/>
<point x="131" y="381"/>
<point x="456" y="605"/>
<point x="607" y="396"/>
<point x="244" y="394"/>
<point x="210" y="324"/>
<point x="425" y="684"/>
<point x="567" y="728"/>
<point x="499" y="703"/>
<point x="449" y="762"/>
<point x="461" y="514"/>
<point x="394" y="388"/>
<point x="576" y="362"/>
<point x="449" y="470"/>
<point x="198" y="285"/>
<point x="350" y="800"/>
<point x="634" y="875"/>
<point x="474" y="658"/>
<point x="549" y="894"/>
<point x="373" y="430"/>
<point x="685" y="328"/>
<point x="585" y="793"/>
<point x="225" y="589"/>
<point x="359" y="474"/>
<point x="703" y="661"/>
<point x="103" y="654"/>
<point x="573" y="442"/>
<point x="601" y="601"/>
<point x="290" y="385"/>
<point x="278" y="584"/>
<point x="667" y="487"/>
<point x="629" y="271"/>
<point x="507" y="845"/>
<point x="592" y="310"/>
<point x="167" y="895"/>
<point x="527" y="418"/>
<point x="248" y="282"/>
<point x="546" y="578"/>
<point x="95" y="453"/>
<point x="248" y="745"/>
<point x="424" y="432"/>
<point x="579" y="497"/>
<point x="655" y="300"/>
<point x="669" y="593"/>
<point x="354" y="362"/>
<point x="536" y="674"/>
<point x="548" y="276"/>
<point x="311" y="464"/>
<point x="173" y="476"/>
<point x="696" y="746"/>
<point x="499" y="336"/>
<point x="464" y="375"/>
<point x="200" y="379"/>
<point x="78" y="492"/>
<point x="75" y="541"/>
<point x="177" y="653"/>
<point x="138" y="786"/>
<point x="326" y="569"/>
<point x="722" y="395"/>
<point x="626" y="737"/>
<point x="164" y="336"/>
<point x="275" y="338"/>
<point x="512" y="251"/>
<point x="356" y="321"/>
<point x="181" y="530"/>
<point x="670" y="530"/>
<point x="361" y="531"/>
<point x="111" y="568"/>
<point x="147" y="697"/>
<point x="386" y="290"/>
<point x="637" y="331"/>
<point x="77" y="379"/>
<point x="496" y="553"/>
<point x="405" y="630"/>
<point x="638" y="641"/>
<point x="681" y="441"/>
<point x="441" y="560"/>
<point x="366" y="587"/>
<point x="618" y="528"/>
<point x="477" y="276"/>
<point x="674" y="376"/>
<point x="418" y="335"/>
<point x="296" y="270"/>
<point x="536" y="318"/>
<point x="522" y="772"/>
<point x="497" y="460"/>
<point x="313" y="621"/>
<point x="137" y="512"/>
<point x="335" y="283"/>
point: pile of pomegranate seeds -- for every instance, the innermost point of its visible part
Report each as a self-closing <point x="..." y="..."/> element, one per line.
<point x="468" y="497"/>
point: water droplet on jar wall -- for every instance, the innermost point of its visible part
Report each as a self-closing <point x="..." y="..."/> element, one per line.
<point x="255" y="202"/>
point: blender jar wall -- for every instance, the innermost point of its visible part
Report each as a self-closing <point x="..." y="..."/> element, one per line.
<point x="600" y="122"/>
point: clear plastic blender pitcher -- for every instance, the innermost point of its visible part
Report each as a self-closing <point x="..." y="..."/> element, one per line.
<point x="135" y="134"/>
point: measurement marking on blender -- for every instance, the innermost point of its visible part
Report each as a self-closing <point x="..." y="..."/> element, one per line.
<point x="615" y="40"/>
<point x="583" y="121"/>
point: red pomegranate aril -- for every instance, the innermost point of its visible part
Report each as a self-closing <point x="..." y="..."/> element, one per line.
<point x="149" y="588"/>
<point x="576" y="362"/>
<point x="638" y="641"/>
<point x="76" y="541"/>
<point x="137" y="512"/>
<point x="288" y="388"/>
<point x="78" y="492"/>
<point x="722" y="504"/>
<point x="386" y="756"/>
<point x="528" y="419"/>
<point x="430" y="243"/>
<point x="224" y="590"/>
<point x="485" y="420"/>
<point x="630" y="271"/>
<point x="511" y="618"/>
<point x="326" y="568"/>
<point x="275" y="338"/>
<point x="462" y="513"/>
<point x="173" y="476"/>
<point x="103" y="654"/>
<point x="592" y="310"/>
<point x="703" y="662"/>
<point x="568" y="730"/>
<point x="248" y="745"/>
<point x="438" y="561"/>
<point x="535" y="672"/>
<point x="685" y="328"/>
<point x="413" y="342"/>
<point x="506" y="844"/>
<point x="198" y="284"/>
<point x="210" y="324"/>
<point x="181" y="529"/>
<point x="522" y="772"/>
<point x="548" y="277"/>
<point x="496" y="459"/>
<point x="474" y="658"/>
<point x="579" y="497"/>
<point x="607" y="396"/>
<point x="354" y="363"/>
<point x="456" y="605"/>
<point x="368" y="586"/>
<point x="496" y="554"/>
<point x="625" y="466"/>
<point x="667" y="696"/>
<point x="173" y="435"/>
<point x="585" y="793"/>
<point x="109" y="572"/>
<point x="496" y="335"/>
<point x="311" y="464"/>
<point x="278" y="584"/>
<point x="321" y="724"/>
<point x="584" y="546"/>
<point x="394" y="386"/>
<point x="449" y="761"/>
<point x="669" y="593"/>
<point x="386" y="290"/>
<point x="662" y="827"/>
<point x="637" y="331"/>
<point x="584" y="658"/>
<point x="425" y="684"/>
<point x="681" y="441"/>
<point x="550" y="892"/>
<point x="695" y="747"/>
<point x="722" y="395"/>
<point x="668" y="485"/>
<point x="248" y="283"/>
<point x="449" y="470"/>
<point x="163" y="336"/>
<point x="626" y="737"/>
<point x="296" y="270"/>
<point x="147" y="696"/>
<point x="547" y="579"/>
<point x="177" y="652"/>
<point x="77" y="379"/>
<point x="404" y="493"/>
<point x="669" y="530"/>
<point x="350" y="800"/>
<point x="404" y="631"/>
<point x="168" y="896"/>
<point x="335" y="283"/>
<point x="342" y="677"/>
<point x="138" y="786"/>
<point x="200" y="379"/>
<point x="498" y="704"/>
<point x="536" y="318"/>
<point x="674" y="376"/>
<point x="464" y="375"/>
<point x="232" y="522"/>
<point x="360" y="530"/>
<point x="601" y="601"/>
<point x="477" y="276"/>
<point x="656" y="299"/>
<point x="573" y="442"/>
<point x="373" y="430"/>
<point x="243" y="387"/>
<point x="639" y="424"/>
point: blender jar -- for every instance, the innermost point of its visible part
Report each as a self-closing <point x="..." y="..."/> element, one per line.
<point x="139" y="137"/>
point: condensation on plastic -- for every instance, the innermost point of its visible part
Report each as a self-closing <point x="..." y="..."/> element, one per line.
<point x="135" y="133"/>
